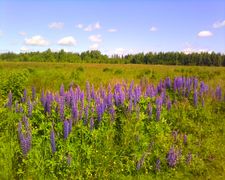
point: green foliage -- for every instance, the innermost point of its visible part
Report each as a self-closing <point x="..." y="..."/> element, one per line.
<point x="16" y="83"/>
<point x="95" y="56"/>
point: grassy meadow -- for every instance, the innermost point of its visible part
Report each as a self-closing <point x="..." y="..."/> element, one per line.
<point x="169" y="123"/>
<point x="52" y="75"/>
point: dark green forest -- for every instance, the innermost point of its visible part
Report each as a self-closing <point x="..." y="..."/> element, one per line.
<point x="167" y="58"/>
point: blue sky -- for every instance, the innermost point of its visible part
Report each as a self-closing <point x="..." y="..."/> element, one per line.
<point x="112" y="26"/>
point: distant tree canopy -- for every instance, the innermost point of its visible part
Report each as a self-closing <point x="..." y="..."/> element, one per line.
<point x="167" y="58"/>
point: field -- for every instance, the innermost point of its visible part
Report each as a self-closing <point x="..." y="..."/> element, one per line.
<point x="105" y="121"/>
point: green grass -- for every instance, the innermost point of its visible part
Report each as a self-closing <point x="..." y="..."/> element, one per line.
<point x="113" y="148"/>
<point x="52" y="75"/>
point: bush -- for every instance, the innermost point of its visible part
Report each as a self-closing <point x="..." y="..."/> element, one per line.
<point x="16" y="83"/>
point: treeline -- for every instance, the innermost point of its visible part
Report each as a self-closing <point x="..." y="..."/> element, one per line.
<point x="167" y="58"/>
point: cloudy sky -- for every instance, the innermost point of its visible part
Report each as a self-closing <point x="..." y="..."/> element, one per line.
<point x="116" y="26"/>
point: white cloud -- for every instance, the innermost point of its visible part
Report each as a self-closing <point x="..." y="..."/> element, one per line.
<point x="67" y="41"/>
<point x="22" y="33"/>
<point x="23" y="49"/>
<point x="219" y="24"/>
<point x="95" y="38"/>
<point x="92" y="27"/>
<point x="80" y="26"/>
<point x="36" y="41"/>
<point x="153" y="29"/>
<point x="94" y="46"/>
<point x="205" y="34"/>
<point x="56" y="25"/>
<point x="112" y="30"/>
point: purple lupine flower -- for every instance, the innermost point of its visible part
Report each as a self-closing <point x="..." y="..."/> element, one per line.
<point x="167" y="83"/>
<point x="158" y="107"/>
<point x="61" y="108"/>
<point x="65" y="128"/>
<point x="188" y="86"/>
<point x="130" y="91"/>
<point x="159" y="102"/>
<point x="202" y="88"/>
<point x="148" y="91"/>
<point x="52" y="140"/>
<point x="33" y="93"/>
<point x="140" y="162"/>
<point x="61" y="91"/>
<point x="48" y="102"/>
<point x="157" y="165"/>
<point x="130" y="105"/>
<point x="185" y="139"/>
<point x="92" y="123"/>
<point x="74" y="111"/>
<point x="160" y="86"/>
<point x="163" y="96"/>
<point x="86" y="112"/>
<point x="172" y="157"/>
<point x="178" y="83"/>
<point x="24" y="138"/>
<point x="81" y="105"/>
<point x="100" y="109"/>
<point x="195" y="83"/>
<point x="10" y="100"/>
<point x="149" y="110"/>
<point x="158" y="113"/>
<point x="109" y="99"/>
<point x="26" y="123"/>
<point x="30" y="108"/>
<point x="218" y="93"/>
<point x="21" y="109"/>
<point x="93" y="92"/>
<point x="168" y="104"/>
<point x="195" y="98"/>
<point x="70" y="121"/>
<point x="119" y="95"/>
<point x="24" y="98"/>
<point x="88" y="92"/>
<point x="137" y="94"/>
<point x="188" y="158"/>
<point x="112" y="113"/>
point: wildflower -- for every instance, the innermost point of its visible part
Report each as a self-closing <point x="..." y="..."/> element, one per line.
<point x="218" y="93"/>
<point x="10" y="100"/>
<point x="167" y="83"/>
<point x="149" y="110"/>
<point x="172" y="157"/>
<point x="169" y="104"/>
<point x="195" y="98"/>
<point x="66" y="128"/>
<point x="24" y="98"/>
<point x="140" y="162"/>
<point x="33" y="93"/>
<point x="30" y="108"/>
<point x="24" y="137"/>
<point x="52" y="140"/>
<point x="61" y="91"/>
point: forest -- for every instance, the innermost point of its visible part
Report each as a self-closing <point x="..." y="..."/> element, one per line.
<point x="95" y="56"/>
